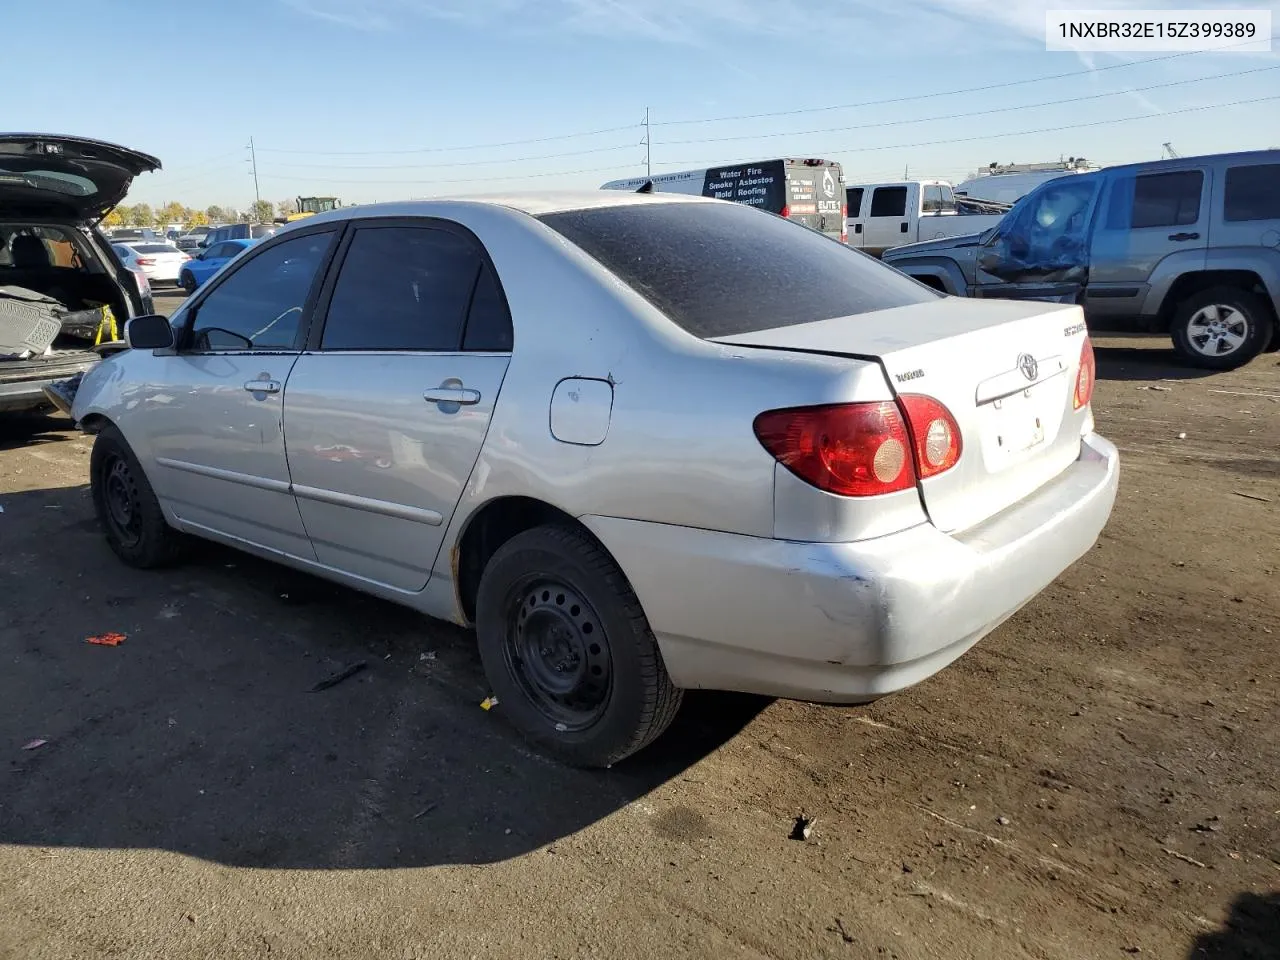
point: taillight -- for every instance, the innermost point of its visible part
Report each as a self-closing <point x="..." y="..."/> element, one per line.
<point x="786" y="211"/>
<point x="934" y="432"/>
<point x="844" y="219"/>
<point x="1087" y="376"/>
<point x="849" y="449"/>
<point x="147" y="261"/>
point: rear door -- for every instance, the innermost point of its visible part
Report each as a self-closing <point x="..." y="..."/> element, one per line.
<point x="1147" y="220"/>
<point x="887" y="221"/>
<point x="386" y="412"/>
<point x="814" y="196"/>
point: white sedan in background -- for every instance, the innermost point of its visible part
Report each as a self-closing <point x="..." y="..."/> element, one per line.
<point x="159" y="262"/>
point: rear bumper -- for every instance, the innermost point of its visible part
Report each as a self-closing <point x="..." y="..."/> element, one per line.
<point x="850" y="622"/>
<point x="26" y="390"/>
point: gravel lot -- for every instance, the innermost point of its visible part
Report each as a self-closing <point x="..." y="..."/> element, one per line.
<point x="1099" y="778"/>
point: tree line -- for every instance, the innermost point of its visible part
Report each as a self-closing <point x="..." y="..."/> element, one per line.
<point x="144" y="215"/>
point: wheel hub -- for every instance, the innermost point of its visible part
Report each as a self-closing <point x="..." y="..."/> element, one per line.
<point x="1217" y="329"/>
<point x="559" y="654"/>
<point x="121" y="500"/>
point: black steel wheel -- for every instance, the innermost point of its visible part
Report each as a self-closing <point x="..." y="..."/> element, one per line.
<point x="568" y="650"/>
<point x="127" y="508"/>
<point x="557" y="650"/>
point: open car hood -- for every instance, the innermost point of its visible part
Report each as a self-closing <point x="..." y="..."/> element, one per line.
<point x="51" y="175"/>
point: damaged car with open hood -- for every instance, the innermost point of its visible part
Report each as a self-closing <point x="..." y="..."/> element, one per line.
<point x="64" y="294"/>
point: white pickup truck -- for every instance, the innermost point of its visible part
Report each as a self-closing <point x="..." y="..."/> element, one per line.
<point x="886" y="215"/>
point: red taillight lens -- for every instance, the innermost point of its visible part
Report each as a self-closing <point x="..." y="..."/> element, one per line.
<point x="850" y="449"/>
<point x="1087" y="376"/>
<point x="147" y="261"/>
<point x="934" y="433"/>
<point x="786" y="211"/>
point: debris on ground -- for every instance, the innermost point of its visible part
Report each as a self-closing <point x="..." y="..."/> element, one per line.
<point x="424" y="811"/>
<point x="429" y="655"/>
<point x="802" y="828"/>
<point x="845" y="935"/>
<point x="34" y="744"/>
<point x="1154" y="386"/>
<point x="1182" y="436"/>
<point x="1003" y="821"/>
<point x="1185" y="859"/>
<point x="341" y="675"/>
<point x="1252" y="496"/>
<point x="488" y="703"/>
<point x="107" y="639"/>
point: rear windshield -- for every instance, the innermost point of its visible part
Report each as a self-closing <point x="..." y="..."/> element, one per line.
<point x="152" y="247"/>
<point x="260" y="230"/>
<point x="719" y="270"/>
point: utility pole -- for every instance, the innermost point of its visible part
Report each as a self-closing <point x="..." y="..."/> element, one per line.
<point x="253" y="160"/>
<point x="648" y="146"/>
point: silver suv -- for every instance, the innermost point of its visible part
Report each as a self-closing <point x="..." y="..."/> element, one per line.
<point x="1189" y="247"/>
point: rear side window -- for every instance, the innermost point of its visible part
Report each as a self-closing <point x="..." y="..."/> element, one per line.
<point x="853" y="196"/>
<point x="1155" y="200"/>
<point x="409" y="288"/>
<point x="260" y="230"/>
<point x="889" y="202"/>
<point x="1253" y="193"/>
<point x="719" y="270"/>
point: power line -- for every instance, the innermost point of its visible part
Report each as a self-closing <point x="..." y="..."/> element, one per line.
<point x="948" y="93"/>
<point x="1021" y="133"/>
<point x="474" y="146"/>
<point x="973" y="113"/>
<point x="514" y="176"/>
<point x="453" y="163"/>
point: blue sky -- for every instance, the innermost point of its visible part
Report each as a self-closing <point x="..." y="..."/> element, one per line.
<point x="387" y="99"/>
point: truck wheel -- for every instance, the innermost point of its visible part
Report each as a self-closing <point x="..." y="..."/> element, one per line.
<point x="1221" y="328"/>
<point x="568" y="651"/>
<point x="126" y="505"/>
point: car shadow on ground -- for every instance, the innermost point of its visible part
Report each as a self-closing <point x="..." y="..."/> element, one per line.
<point x="1153" y="360"/>
<point x="201" y="733"/>
<point x="1251" y="932"/>
<point x="28" y="429"/>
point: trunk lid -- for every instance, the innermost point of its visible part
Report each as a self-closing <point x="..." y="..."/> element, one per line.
<point x="46" y="175"/>
<point x="1006" y="370"/>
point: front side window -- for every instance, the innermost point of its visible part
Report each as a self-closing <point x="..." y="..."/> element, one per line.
<point x="402" y="288"/>
<point x="259" y="304"/>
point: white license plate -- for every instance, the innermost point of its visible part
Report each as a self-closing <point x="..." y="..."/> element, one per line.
<point x="1018" y="425"/>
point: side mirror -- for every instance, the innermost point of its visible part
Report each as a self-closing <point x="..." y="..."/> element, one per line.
<point x="151" y="332"/>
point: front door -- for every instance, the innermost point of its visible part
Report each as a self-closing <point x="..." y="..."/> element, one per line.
<point x="213" y="418"/>
<point x="386" y="413"/>
<point x="1148" y="219"/>
<point x="1040" y="250"/>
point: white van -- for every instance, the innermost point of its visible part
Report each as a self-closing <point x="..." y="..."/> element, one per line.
<point x="810" y="192"/>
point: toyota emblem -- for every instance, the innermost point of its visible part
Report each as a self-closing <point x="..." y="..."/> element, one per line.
<point x="1027" y="364"/>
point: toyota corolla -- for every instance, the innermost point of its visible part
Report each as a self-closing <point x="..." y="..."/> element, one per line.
<point x="642" y="443"/>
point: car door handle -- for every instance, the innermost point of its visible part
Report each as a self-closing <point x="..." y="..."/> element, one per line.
<point x="460" y="395"/>
<point x="262" y="386"/>
<point x="1184" y="236"/>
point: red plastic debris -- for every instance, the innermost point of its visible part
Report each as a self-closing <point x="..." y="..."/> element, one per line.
<point x="107" y="639"/>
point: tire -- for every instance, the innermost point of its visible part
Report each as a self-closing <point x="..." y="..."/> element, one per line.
<point x="1221" y="317"/>
<point x="126" y="505"/>
<point x="187" y="282"/>
<point x="595" y="690"/>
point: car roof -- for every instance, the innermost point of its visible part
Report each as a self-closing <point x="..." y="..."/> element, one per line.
<point x="535" y="204"/>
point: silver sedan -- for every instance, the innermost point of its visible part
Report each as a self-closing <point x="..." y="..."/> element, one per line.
<point x="642" y="443"/>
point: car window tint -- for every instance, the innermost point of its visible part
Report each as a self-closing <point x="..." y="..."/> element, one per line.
<point x="1155" y="200"/>
<point x="1253" y="193"/>
<point x="889" y="202"/>
<point x="488" y="320"/>
<point x="724" y="269"/>
<point x="258" y="306"/>
<point x="402" y="288"/>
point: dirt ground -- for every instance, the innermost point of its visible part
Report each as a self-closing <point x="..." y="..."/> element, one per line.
<point x="1099" y="778"/>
